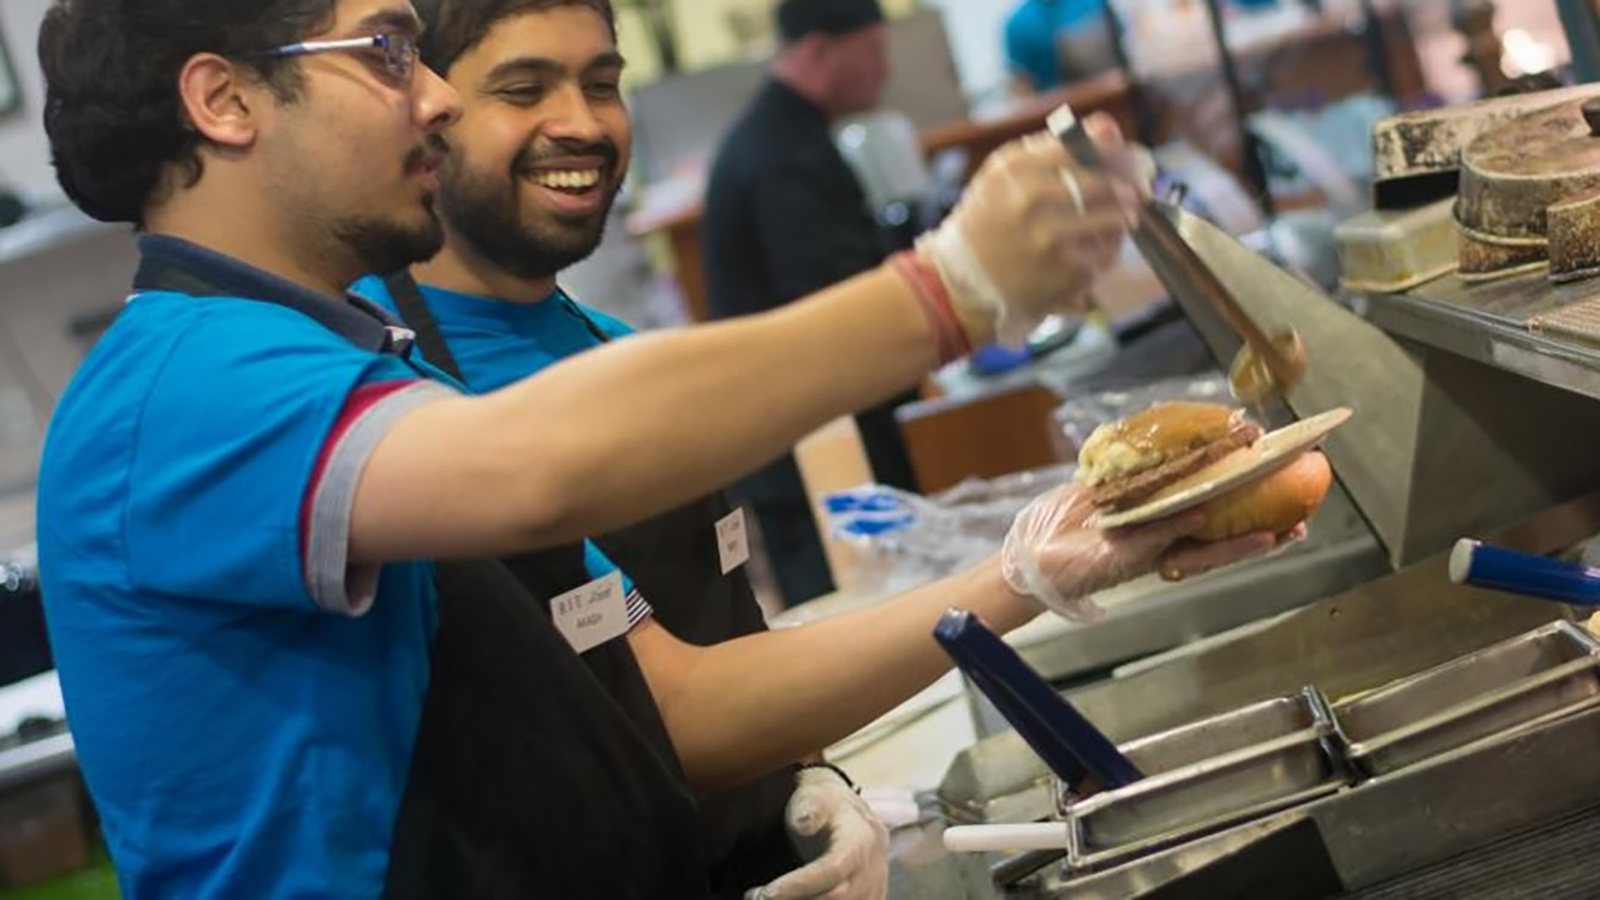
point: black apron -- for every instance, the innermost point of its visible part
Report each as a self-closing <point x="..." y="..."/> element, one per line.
<point x="529" y="778"/>
<point x="674" y="562"/>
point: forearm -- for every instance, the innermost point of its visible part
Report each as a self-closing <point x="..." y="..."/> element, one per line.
<point x="746" y="706"/>
<point x="620" y="433"/>
<point x="673" y="415"/>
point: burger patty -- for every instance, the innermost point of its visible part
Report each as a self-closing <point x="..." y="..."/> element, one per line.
<point x="1125" y="493"/>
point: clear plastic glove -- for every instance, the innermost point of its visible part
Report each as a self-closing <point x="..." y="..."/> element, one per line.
<point x="846" y="844"/>
<point x="1052" y="556"/>
<point x="1034" y="230"/>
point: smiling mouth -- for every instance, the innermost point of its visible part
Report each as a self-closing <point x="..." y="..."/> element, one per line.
<point x="571" y="181"/>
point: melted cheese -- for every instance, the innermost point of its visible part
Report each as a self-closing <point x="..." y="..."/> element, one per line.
<point x="1147" y="439"/>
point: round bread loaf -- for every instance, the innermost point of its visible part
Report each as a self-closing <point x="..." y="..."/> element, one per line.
<point x="1275" y="503"/>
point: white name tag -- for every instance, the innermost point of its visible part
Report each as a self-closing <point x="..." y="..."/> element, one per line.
<point x="733" y="542"/>
<point x="593" y="614"/>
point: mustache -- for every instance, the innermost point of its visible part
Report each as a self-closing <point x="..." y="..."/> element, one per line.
<point x="560" y="148"/>
<point x="432" y="145"/>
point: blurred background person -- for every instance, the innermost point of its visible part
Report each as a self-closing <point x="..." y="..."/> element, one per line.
<point x="785" y="216"/>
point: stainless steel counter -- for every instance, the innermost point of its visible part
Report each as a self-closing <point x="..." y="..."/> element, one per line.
<point x="1149" y="616"/>
<point x="1463" y="802"/>
<point x="1346" y="644"/>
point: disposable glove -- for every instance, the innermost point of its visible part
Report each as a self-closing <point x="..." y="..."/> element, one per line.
<point x="1034" y="230"/>
<point x="1051" y="555"/>
<point x="846" y="845"/>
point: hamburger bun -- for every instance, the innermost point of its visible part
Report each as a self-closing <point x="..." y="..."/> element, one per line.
<point x="1275" y="503"/>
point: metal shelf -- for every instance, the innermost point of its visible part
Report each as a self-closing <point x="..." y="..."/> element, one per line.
<point x="1488" y="323"/>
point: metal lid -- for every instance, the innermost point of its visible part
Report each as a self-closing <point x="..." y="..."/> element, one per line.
<point x="1430" y="141"/>
<point x="1512" y="174"/>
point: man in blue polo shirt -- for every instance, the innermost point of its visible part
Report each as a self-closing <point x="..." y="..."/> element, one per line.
<point x="259" y="511"/>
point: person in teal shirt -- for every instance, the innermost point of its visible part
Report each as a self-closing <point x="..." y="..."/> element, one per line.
<point x="489" y="311"/>
<point x="1050" y="43"/>
<point x="1034" y="37"/>
<point x="497" y="343"/>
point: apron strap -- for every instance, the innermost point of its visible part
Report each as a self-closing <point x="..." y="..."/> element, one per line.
<point x="571" y="308"/>
<point x="414" y="311"/>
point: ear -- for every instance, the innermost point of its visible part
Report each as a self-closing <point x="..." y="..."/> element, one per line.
<point x="812" y="48"/>
<point x="222" y="102"/>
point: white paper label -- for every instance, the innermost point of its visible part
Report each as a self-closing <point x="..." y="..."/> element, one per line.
<point x="733" y="543"/>
<point x="593" y="614"/>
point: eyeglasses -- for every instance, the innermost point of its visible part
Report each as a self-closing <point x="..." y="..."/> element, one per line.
<point x="398" y="51"/>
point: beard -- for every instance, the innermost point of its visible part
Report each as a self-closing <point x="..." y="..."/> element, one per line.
<point x="487" y="212"/>
<point x="384" y="246"/>
<point x="388" y="245"/>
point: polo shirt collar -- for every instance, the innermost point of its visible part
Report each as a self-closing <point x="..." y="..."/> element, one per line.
<point x="170" y="263"/>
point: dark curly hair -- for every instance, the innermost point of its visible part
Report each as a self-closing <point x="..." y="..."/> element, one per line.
<point x="456" y="26"/>
<point x="112" y="111"/>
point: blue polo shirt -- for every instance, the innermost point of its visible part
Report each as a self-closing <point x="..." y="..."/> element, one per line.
<point x="244" y="704"/>
<point x="1031" y="33"/>
<point x="497" y="342"/>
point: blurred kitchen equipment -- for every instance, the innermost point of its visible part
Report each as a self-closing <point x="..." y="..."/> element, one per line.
<point x="12" y="209"/>
<point x="1395" y="250"/>
<point x="1418" y="154"/>
<point x="24" y="647"/>
<point x="1511" y="177"/>
<point x="883" y="150"/>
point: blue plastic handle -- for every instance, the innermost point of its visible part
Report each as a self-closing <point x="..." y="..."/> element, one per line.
<point x="1068" y="743"/>
<point x="1484" y="565"/>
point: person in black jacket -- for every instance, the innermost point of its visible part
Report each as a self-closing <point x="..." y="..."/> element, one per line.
<point x="786" y="217"/>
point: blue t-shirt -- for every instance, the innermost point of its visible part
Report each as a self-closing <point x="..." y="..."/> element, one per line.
<point x="497" y="342"/>
<point x="1032" y="31"/>
<point x="244" y="713"/>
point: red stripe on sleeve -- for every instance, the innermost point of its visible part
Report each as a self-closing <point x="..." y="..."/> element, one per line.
<point x="360" y="401"/>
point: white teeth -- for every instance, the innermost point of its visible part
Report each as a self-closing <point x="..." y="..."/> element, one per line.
<point x="576" y="179"/>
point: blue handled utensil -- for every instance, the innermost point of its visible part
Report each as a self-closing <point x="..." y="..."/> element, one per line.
<point x="1068" y="743"/>
<point x="1487" y="566"/>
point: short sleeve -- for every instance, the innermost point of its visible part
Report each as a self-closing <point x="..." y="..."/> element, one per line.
<point x="329" y="501"/>
<point x="228" y="442"/>
<point x="599" y="566"/>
